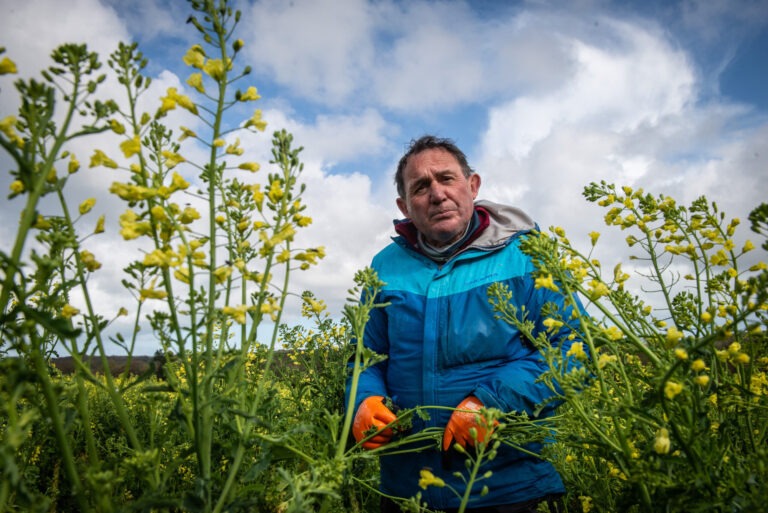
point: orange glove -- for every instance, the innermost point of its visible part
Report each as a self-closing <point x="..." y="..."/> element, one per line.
<point x="466" y="416"/>
<point x="373" y="414"/>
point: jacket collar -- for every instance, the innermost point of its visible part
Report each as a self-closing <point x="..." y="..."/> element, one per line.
<point x="497" y="225"/>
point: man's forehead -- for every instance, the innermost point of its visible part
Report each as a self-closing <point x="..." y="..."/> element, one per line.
<point x="433" y="160"/>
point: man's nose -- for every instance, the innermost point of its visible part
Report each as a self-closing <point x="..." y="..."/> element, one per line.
<point x="436" y="193"/>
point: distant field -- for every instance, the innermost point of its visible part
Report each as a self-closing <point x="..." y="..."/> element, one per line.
<point x="117" y="364"/>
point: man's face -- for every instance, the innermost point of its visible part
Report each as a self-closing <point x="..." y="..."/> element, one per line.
<point x="439" y="199"/>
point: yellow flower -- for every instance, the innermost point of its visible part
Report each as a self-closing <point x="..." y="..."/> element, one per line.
<point x="8" y="127"/>
<point x="250" y="166"/>
<point x="157" y="258"/>
<point x="73" y="166"/>
<point x="166" y="103"/>
<point x="195" y="57"/>
<point x="698" y="365"/>
<point x="614" y="333"/>
<point x="178" y="182"/>
<point x="152" y="293"/>
<point x="69" y="311"/>
<point x="131" y="228"/>
<point x="188" y="215"/>
<point x="605" y="359"/>
<point x="130" y="192"/>
<point x="172" y="159"/>
<point x="41" y="223"/>
<point x="214" y="68"/>
<point x="586" y="503"/>
<point x="131" y="146"/>
<point x="316" y="306"/>
<point x="662" y="443"/>
<point x="172" y="99"/>
<point x="552" y="324"/>
<point x="427" y="479"/>
<point x="99" y="225"/>
<point x="719" y="258"/>
<point x="182" y="274"/>
<point x="89" y="261"/>
<point x="598" y="289"/>
<point x="234" y="148"/>
<point x="302" y="221"/>
<point x="681" y="354"/>
<point x="577" y="350"/>
<point x="284" y="256"/>
<point x="99" y="158"/>
<point x="673" y="336"/>
<point x="250" y="95"/>
<point x="7" y="67"/>
<point x="17" y="187"/>
<point x="87" y="205"/>
<point x="186" y="132"/>
<point x="221" y="274"/>
<point x="236" y="312"/>
<point x="158" y="213"/>
<point x="741" y="358"/>
<point x="593" y="236"/>
<point x="256" y="121"/>
<point x="116" y="127"/>
<point x="672" y="389"/>
<point x="183" y="100"/>
<point x="546" y="282"/>
<point x="702" y="380"/>
<point x="195" y="80"/>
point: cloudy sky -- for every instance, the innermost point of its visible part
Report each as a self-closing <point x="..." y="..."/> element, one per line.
<point x="543" y="96"/>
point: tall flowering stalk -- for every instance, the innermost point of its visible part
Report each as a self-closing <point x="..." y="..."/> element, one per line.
<point x="36" y="287"/>
<point x="205" y="278"/>
<point x="668" y="411"/>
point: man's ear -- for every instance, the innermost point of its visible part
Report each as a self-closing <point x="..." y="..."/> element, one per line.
<point x="474" y="184"/>
<point x="403" y="206"/>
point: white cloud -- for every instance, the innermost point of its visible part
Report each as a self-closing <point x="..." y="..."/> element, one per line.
<point x="541" y="149"/>
<point x="31" y="30"/>
<point x="320" y="49"/>
<point x="431" y="63"/>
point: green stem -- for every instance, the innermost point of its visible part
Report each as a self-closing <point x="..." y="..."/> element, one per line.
<point x="57" y="424"/>
<point x="112" y="390"/>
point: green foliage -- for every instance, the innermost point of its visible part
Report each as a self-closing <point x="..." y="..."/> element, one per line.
<point x="666" y="409"/>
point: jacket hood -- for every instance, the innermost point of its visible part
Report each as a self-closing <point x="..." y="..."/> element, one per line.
<point x="505" y="222"/>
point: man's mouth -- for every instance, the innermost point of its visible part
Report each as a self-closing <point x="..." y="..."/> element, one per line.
<point x="441" y="215"/>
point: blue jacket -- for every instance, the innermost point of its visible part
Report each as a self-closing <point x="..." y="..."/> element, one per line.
<point x="444" y="344"/>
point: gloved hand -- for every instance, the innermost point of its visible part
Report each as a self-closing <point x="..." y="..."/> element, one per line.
<point x="373" y="414"/>
<point x="466" y="416"/>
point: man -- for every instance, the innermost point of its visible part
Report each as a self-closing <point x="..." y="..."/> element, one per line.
<point x="444" y="345"/>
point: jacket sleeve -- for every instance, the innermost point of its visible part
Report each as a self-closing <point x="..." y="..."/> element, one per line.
<point x="516" y="385"/>
<point x="373" y="379"/>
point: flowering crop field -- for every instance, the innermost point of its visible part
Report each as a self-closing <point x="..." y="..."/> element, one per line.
<point x="665" y="409"/>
